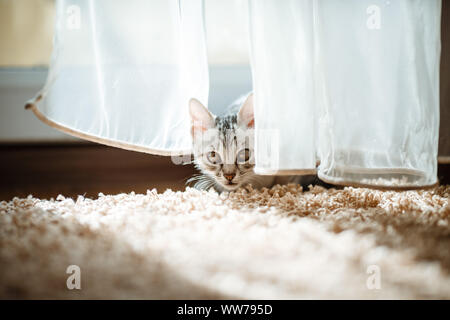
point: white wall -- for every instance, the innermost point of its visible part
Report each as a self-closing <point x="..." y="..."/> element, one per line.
<point x="16" y="123"/>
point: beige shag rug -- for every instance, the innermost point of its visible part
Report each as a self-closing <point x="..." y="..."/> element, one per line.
<point x="277" y="243"/>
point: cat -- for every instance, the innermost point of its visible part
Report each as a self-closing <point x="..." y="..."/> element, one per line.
<point x="223" y="148"/>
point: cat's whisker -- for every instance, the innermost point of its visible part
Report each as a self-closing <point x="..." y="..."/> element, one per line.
<point x="202" y="181"/>
<point x="196" y="176"/>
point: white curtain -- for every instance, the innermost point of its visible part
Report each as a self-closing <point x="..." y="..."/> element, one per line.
<point x="352" y="84"/>
<point x="347" y="89"/>
<point x="122" y="72"/>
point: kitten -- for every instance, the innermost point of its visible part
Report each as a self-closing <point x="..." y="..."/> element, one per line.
<point x="223" y="148"/>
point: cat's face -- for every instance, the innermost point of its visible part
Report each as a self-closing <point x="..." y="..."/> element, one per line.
<point x="223" y="147"/>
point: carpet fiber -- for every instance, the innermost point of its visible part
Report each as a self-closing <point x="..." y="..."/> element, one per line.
<point x="277" y="243"/>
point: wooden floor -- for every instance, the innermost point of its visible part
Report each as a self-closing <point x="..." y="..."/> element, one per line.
<point x="87" y="169"/>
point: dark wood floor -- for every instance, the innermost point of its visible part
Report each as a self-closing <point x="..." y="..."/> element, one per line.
<point x="87" y="169"/>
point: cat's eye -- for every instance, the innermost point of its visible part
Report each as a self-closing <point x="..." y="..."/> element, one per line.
<point x="213" y="157"/>
<point x="243" y="156"/>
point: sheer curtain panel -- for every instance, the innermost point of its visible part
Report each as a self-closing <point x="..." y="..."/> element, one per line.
<point x="352" y="84"/>
<point x="122" y="72"/>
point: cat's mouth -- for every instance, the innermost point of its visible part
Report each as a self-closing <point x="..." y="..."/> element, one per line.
<point x="230" y="186"/>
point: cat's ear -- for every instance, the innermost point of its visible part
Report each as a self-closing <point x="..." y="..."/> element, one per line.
<point x="201" y="118"/>
<point x="246" y="116"/>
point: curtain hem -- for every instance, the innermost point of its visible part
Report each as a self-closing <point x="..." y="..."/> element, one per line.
<point x="78" y="134"/>
<point x="349" y="183"/>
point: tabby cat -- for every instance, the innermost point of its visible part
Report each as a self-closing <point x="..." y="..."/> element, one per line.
<point x="223" y="148"/>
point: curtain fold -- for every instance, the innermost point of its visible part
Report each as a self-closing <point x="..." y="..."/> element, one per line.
<point x="282" y="56"/>
<point x="122" y="72"/>
<point x="354" y="85"/>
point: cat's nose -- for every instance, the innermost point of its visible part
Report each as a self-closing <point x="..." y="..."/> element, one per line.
<point x="229" y="176"/>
